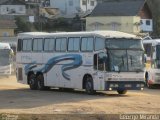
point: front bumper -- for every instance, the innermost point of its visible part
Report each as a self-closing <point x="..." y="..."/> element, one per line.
<point x="124" y="85"/>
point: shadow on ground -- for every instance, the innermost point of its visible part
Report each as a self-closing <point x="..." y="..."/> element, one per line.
<point x="25" y="98"/>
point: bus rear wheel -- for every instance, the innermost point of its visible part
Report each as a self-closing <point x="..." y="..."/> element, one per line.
<point x="40" y="82"/>
<point x="89" y="86"/>
<point x="122" y="92"/>
<point x="32" y="82"/>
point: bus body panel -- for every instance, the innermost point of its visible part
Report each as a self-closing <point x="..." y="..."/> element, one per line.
<point x="151" y="58"/>
<point x="67" y="69"/>
<point x="5" y="59"/>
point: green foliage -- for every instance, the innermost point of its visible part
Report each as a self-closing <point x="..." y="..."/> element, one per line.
<point x="154" y="5"/>
<point x="22" y="25"/>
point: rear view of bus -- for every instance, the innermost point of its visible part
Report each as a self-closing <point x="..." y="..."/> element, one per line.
<point x="5" y="56"/>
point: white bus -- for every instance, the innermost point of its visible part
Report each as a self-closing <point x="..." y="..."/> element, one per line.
<point x="5" y="59"/>
<point x="94" y="61"/>
<point x="152" y="49"/>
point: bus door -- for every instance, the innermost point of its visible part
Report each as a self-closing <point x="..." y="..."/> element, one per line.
<point x="100" y="65"/>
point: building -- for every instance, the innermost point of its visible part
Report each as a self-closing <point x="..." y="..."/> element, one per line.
<point x="7" y="26"/>
<point x="49" y="13"/>
<point x="71" y="8"/>
<point x="12" y="7"/>
<point x="132" y="16"/>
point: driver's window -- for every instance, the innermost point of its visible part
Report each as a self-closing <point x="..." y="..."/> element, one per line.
<point x="100" y="61"/>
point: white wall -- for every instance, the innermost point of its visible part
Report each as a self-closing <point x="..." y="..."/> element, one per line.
<point x="65" y="7"/>
<point x="72" y="10"/>
<point x="13" y="9"/>
<point x="146" y="27"/>
<point x="88" y="7"/>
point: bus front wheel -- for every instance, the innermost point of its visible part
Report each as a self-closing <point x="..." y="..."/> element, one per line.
<point x="89" y="86"/>
<point x="122" y="92"/>
<point x="32" y="82"/>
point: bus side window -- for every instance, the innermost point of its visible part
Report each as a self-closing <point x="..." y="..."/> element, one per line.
<point x="49" y="44"/>
<point x="38" y="44"/>
<point x="99" y="43"/>
<point x="61" y="44"/>
<point x="102" y="62"/>
<point x="24" y="48"/>
<point x="19" y="46"/>
<point x="95" y="61"/>
<point x="87" y="44"/>
<point x="73" y="44"/>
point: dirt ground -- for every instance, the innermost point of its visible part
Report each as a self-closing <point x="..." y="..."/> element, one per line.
<point x="19" y="99"/>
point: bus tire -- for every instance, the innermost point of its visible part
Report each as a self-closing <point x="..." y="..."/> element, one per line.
<point x="122" y="92"/>
<point x="32" y="82"/>
<point x="40" y="82"/>
<point x="149" y="85"/>
<point x="89" y="86"/>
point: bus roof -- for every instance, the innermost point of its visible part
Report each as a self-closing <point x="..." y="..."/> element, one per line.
<point x="5" y="46"/>
<point x="106" y="34"/>
<point x="153" y="41"/>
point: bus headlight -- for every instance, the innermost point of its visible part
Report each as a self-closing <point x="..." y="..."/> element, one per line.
<point x="110" y="89"/>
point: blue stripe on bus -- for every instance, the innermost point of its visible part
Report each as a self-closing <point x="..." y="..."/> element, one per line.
<point x="77" y="61"/>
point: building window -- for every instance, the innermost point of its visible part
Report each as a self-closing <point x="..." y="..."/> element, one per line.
<point x="84" y="2"/>
<point x="5" y="34"/>
<point x="92" y="3"/>
<point x="96" y="27"/>
<point x="20" y="8"/>
<point x="115" y="26"/>
<point x="148" y="22"/>
<point x="71" y="3"/>
<point x="7" y="9"/>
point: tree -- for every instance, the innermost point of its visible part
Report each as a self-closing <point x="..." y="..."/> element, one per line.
<point x="155" y="8"/>
<point x="22" y="25"/>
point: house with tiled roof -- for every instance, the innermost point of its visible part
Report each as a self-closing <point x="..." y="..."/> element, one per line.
<point x="12" y="7"/>
<point x="7" y="26"/>
<point x="132" y="16"/>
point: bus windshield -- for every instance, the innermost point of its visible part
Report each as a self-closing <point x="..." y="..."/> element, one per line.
<point x="4" y="57"/>
<point x="125" y="55"/>
<point x="122" y="43"/>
